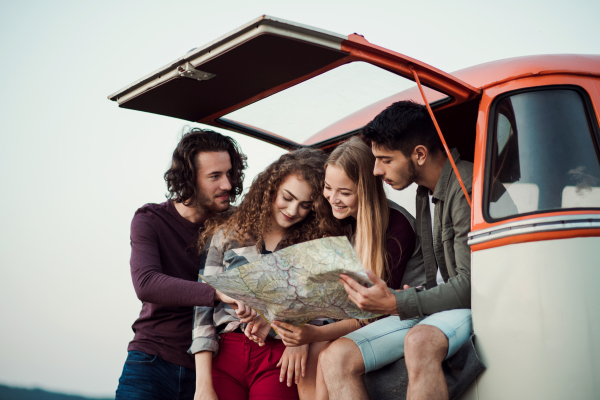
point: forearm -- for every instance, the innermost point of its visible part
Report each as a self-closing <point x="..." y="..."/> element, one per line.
<point x="154" y="287"/>
<point x="203" y="370"/>
<point x="456" y="293"/>
<point x="336" y="330"/>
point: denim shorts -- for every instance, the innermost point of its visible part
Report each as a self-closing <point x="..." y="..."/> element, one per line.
<point x="382" y="342"/>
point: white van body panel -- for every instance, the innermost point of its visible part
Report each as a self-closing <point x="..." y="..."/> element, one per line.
<point x="536" y="316"/>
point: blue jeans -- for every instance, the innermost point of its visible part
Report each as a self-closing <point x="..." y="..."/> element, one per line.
<point x="149" y="377"/>
<point x="382" y="342"/>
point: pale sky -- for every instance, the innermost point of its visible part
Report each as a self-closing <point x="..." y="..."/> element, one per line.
<point x="75" y="167"/>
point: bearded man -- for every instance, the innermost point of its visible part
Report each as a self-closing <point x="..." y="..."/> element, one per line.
<point x="206" y="174"/>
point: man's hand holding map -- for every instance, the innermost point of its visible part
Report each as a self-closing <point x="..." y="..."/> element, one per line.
<point x="298" y="283"/>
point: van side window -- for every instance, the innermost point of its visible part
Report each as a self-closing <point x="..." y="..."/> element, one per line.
<point x="544" y="154"/>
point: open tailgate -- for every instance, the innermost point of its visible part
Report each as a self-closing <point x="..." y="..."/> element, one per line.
<point x="263" y="58"/>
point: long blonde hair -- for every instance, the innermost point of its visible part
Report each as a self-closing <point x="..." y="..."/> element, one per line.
<point x="357" y="161"/>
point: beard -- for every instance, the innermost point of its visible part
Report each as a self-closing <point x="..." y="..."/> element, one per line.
<point x="411" y="177"/>
<point x="211" y="205"/>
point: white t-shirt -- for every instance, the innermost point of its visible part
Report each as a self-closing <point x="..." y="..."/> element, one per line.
<point x="438" y="277"/>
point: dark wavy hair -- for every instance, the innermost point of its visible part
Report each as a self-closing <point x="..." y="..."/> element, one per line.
<point x="250" y="221"/>
<point x="403" y="126"/>
<point x="181" y="178"/>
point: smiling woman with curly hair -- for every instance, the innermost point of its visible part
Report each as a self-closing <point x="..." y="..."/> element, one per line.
<point x="284" y="206"/>
<point x="256" y="209"/>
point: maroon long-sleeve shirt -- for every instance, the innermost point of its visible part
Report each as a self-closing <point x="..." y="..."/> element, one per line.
<point x="164" y="270"/>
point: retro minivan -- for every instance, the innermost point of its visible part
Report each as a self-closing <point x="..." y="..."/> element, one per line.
<point x="528" y="124"/>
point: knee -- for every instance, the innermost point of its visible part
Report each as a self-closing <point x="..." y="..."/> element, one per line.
<point x="341" y="355"/>
<point x="425" y="342"/>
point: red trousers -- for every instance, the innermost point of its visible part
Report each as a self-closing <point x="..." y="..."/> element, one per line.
<point x="244" y="370"/>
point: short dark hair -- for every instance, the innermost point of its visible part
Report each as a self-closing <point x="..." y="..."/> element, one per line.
<point x="403" y="126"/>
<point x="182" y="176"/>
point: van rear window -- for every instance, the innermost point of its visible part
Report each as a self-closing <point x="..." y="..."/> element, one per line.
<point x="301" y="112"/>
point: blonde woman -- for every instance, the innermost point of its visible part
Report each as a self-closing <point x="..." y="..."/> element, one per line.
<point x="382" y="234"/>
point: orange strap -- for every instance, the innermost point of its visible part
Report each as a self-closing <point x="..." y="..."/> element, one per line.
<point x="462" y="185"/>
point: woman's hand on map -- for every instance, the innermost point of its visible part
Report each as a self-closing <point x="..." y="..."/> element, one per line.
<point x="293" y="336"/>
<point x="244" y="312"/>
<point x="257" y="330"/>
<point x="293" y="363"/>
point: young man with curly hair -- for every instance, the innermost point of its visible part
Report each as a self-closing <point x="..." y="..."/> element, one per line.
<point x="206" y="174"/>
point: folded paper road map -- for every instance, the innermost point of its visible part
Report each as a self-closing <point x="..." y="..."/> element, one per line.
<point x="298" y="283"/>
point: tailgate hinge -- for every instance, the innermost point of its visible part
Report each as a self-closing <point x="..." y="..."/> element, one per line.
<point x="187" y="70"/>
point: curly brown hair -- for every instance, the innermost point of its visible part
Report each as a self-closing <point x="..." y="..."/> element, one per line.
<point x="250" y="221"/>
<point x="181" y="178"/>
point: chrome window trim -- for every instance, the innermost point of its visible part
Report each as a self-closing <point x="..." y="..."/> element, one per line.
<point x="534" y="225"/>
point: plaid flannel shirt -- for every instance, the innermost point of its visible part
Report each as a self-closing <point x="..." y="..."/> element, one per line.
<point x="224" y="254"/>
